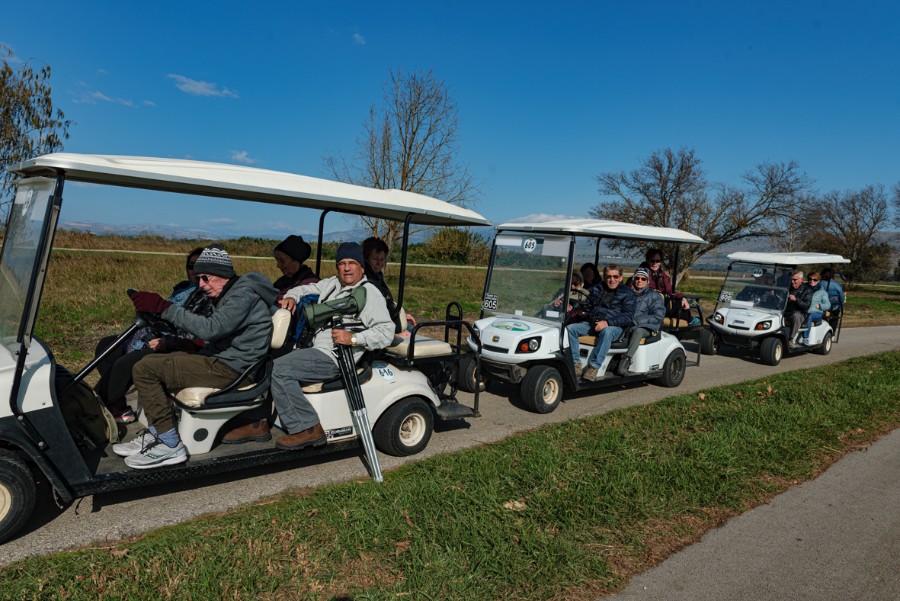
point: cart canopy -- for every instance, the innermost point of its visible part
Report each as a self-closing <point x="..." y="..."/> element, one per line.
<point x="787" y="258"/>
<point x="605" y="228"/>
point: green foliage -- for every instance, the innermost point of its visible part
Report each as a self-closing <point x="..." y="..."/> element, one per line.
<point x="566" y="511"/>
<point x="459" y="246"/>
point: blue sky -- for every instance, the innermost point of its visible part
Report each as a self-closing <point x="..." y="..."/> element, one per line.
<point x="549" y="94"/>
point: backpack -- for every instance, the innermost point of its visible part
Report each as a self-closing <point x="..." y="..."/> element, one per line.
<point x="89" y="421"/>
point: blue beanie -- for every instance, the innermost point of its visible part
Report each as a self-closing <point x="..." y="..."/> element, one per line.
<point x="350" y="250"/>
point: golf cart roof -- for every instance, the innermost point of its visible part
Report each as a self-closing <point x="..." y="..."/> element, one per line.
<point x="248" y="183"/>
<point x="605" y="228"/>
<point x="788" y="258"/>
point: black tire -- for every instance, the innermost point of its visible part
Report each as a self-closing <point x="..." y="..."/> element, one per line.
<point x="542" y="389"/>
<point x="405" y="428"/>
<point x="466" y="379"/>
<point x="709" y="342"/>
<point x="673" y="369"/>
<point x="825" y="347"/>
<point x="17" y="493"/>
<point x="771" y="351"/>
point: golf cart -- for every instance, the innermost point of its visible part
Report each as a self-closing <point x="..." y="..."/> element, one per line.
<point x="749" y="310"/>
<point x="404" y="388"/>
<point x="524" y="340"/>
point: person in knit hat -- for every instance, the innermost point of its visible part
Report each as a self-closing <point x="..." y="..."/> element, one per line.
<point x="649" y="313"/>
<point x="318" y="363"/>
<point x="290" y="256"/>
<point x="237" y="335"/>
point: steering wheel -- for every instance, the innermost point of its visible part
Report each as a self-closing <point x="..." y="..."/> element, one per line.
<point x="152" y="320"/>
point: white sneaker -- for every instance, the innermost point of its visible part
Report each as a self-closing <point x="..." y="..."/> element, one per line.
<point x="157" y="454"/>
<point x="127" y="449"/>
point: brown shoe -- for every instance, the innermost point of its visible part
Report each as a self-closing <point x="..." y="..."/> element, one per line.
<point x="255" y="432"/>
<point x="590" y="374"/>
<point x="579" y="370"/>
<point x="314" y="436"/>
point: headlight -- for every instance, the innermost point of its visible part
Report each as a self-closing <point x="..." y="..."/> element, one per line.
<point x="529" y="345"/>
<point x="718" y="318"/>
<point x="764" y="325"/>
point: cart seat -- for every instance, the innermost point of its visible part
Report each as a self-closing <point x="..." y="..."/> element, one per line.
<point x="621" y="343"/>
<point x="423" y="347"/>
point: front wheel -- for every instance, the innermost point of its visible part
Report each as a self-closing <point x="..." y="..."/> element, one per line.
<point x="542" y="389"/>
<point x="771" y="351"/>
<point x="709" y="342"/>
<point x="16" y="494"/>
<point x="466" y="380"/>
<point x="405" y="428"/>
<point x="825" y="347"/>
<point x="673" y="369"/>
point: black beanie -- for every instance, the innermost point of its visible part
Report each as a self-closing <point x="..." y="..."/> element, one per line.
<point x="350" y="250"/>
<point x="296" y="248"/>
<point x="214" y="261"/>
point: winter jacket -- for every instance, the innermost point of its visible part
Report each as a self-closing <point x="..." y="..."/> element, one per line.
<point x="835" y="294"/>
<point x="649" y="309"/>
<point x="239" y="330"/>
<point x="304" y="275"/>
<point x="377" y="280"/>
<point x="803" y="294"/>
<point x="615" y="306"/>
<point x="379" y="329"/>
<point x="819" y="300"/>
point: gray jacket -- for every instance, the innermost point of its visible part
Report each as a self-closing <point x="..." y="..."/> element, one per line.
<point x="649" y="309"/>
<point x="239" y="330"/>
<point x="379" y="329"/>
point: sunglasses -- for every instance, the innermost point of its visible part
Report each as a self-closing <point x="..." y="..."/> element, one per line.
<point x="613" y="277"/>
<point x="813" y="279"/>
<point x="203" y="278"/>
<point x="639" y="278"/>
<point x="656" y="260"/>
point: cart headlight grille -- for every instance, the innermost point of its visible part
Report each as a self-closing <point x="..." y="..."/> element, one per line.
<point x="529" y="345"/>
<point x="764" y="325"/>
<point x="719" y="318"/>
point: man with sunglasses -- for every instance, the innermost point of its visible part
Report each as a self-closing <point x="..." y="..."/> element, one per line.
<point x="649" y="313"/>
<point x="799" y="300"/>
<point x="237" y="334"/>
<point x="611" y="311"/>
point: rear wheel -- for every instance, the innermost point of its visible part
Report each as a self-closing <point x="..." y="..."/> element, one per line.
<point x="16" y="494"/>
<point x="709" y="342"/>
<point x="673" y="369"/>
<point x="825" y="347"/>
<point x="466" y="380"/>
<point x="771" y="351"/>
<point x="405" y="428"/>
<point x="542" y="389"/>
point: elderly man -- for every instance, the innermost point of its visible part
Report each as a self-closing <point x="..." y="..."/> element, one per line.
<point x="649" y="313"/>
<point x="612" y="309"/>
<point x="237" y="334"/>
<point x="319" y="363"/>
<point x="799" y="300"/>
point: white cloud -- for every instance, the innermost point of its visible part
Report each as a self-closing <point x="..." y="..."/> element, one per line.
<point x="243" y="157"/>
<point x="103" y="97"/>
<point x="90" y="96"/>
<point x="218" y="221"/>
<point x="149" y="103"/>
<point x="200" y="88"/>
<point x="359" y="39"/>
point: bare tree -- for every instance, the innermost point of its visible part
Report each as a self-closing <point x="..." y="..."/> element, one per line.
<point x="848" y="224"/>
<point x="409" y="143"/>
<point x="669" y="189"/>
<point x="897" y="205"/>
<point x="29" y="124"/>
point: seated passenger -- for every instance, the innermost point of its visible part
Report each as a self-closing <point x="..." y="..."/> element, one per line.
<point x="660" y="280"/>
<point x="818" y="304"/>
<point x="115" y="369"/>
<point x="649" y="313"/>
<point x="237" y="335"/>
<point x="799" y="298"/>
<point x="834" y="290"/>
<point x="318" y="363"/>
<point x="611" y="310"/>
<point x="375" y="252"/>
<point x="577" y="296"/>
<point x="290" y="256"/>
<point x="590" y="275"/>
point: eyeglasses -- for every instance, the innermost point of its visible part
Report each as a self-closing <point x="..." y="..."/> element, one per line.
<point x="613" y="277"/>
<point x="796" y="279"/>
<point x="639" y="278"/>
<point x="203" y="278"/>
<point x="656" y="260"/>
<point x="813" y="279"/>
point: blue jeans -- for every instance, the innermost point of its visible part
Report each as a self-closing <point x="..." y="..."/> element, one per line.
<point x="810" y="318"/>
<point x="605" y="338"/>
<point x="581" y="328"/>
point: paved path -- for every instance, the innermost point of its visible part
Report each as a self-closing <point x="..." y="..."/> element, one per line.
<point x="115" y="515"/>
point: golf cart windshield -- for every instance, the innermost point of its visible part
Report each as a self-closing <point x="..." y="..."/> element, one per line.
<point x="21" y="258"/>
<point x="528" y="273"/>
<point x="756" y="286"/>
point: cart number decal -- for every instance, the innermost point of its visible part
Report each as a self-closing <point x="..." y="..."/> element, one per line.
<point x="490" y="302"/>
<point x="725" y="297"/>
<point x="529" y="245"/>
<point x="386" y="373"/>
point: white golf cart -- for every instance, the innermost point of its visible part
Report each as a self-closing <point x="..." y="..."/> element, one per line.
<point x="524" y="341"/>
<point x="404" y="388"/>
<point x="749" y="310"/>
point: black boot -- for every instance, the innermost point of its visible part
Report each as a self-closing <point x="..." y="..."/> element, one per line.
<point x="624" y="364"/>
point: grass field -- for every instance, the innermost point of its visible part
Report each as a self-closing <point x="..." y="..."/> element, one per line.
<point x="568" y="511"/>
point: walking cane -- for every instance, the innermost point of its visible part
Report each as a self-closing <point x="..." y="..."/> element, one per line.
<point x="358" y="411"/>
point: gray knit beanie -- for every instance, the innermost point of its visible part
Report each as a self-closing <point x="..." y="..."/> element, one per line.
<point x="214" y="261"/>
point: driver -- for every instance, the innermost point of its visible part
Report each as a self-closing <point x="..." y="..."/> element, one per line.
<point x="237" y="335"/>
<point x="318" y="362"/>
<point x="799" y="300"/>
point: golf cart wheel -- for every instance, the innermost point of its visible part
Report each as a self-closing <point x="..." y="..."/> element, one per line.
<point x="405" y="428"/>
<point x="673" y="369"/>
<point x="542" y="389"/>
<point x="16" y="494"/>
<point x="771" y="351"/>
<point x="466" y="380"/>
<point x="709" y="342"/>
<point x="825" y="347"/>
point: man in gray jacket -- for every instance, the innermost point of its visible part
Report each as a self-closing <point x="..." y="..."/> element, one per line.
<point x="649" y="313"/>
<point x="235" y="336"/>
<point x="318" y="363"/>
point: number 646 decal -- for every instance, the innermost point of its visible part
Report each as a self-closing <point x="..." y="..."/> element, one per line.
<point x="386" y="373"/>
